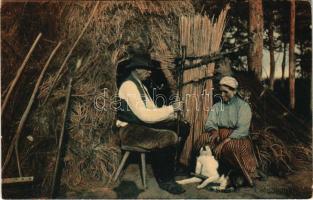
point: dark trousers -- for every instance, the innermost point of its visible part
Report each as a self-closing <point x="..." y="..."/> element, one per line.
<point x="159" y="139"/>
<point x="163" y="160"/>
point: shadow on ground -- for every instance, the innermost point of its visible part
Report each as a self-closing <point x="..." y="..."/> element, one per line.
<point x="130" y="187"/>
<point x="127" y="189"/>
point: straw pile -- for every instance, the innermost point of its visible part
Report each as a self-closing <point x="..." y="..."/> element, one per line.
<point x="271" y="152"/>
<point x="201" y="36"/>
<point x="277" y="158"/>
<point x="92" y="152"/>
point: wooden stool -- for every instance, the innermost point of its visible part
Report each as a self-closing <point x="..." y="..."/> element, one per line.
<point x="127" y="150"/>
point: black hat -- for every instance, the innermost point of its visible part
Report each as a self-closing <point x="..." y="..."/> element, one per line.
<point x="138" y="61"/>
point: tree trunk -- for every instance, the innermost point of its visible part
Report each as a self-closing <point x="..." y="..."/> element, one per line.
<point x="283" y="64"/>
<point x="301" y="55"/>
<point x="256" y="35"/>
<point x="292" y="67"/>
<point x="271" y="48"/>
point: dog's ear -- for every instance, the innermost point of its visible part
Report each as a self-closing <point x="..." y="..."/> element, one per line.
<point x="208" y="149"/>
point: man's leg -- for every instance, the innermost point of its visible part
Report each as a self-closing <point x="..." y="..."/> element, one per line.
<point x="146" y="137"/>
<point x="163" y="163"/>
<point x="172" y="125"/>
<point x="162" y="144"/>
<point x="184" y="128"/>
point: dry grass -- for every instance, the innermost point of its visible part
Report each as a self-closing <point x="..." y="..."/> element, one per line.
<point x="301" y="157"/>
<point x="275" y="157"/>
<point x="92" y="153"/>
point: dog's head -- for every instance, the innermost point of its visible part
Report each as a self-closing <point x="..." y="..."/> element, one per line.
<point x="205" y="151"/>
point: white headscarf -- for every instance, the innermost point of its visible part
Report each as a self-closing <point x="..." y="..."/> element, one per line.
<point x="229" y="81"/>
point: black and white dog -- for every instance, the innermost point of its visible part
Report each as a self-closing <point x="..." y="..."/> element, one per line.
<point x="207" y="166"/>
<point x="208" y="171"/>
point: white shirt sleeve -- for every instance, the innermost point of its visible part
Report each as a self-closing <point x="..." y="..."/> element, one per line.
<point x="130" y="93"/>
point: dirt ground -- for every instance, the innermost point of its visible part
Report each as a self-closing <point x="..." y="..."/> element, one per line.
<point x="298" y="185"/>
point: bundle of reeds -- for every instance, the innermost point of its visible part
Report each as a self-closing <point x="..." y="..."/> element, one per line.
<point x="276" y="157"/>
<point x="301" y="157"/>
<point x="271" y="152"/>
<point x="201" y="36"/>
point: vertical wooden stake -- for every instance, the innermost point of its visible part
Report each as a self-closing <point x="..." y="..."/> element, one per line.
<point x="179" y="88"/>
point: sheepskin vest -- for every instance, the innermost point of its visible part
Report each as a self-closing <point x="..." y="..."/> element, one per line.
<point x="124" y="113"/>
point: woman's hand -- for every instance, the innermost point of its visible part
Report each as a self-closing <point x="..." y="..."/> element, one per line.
<point x="214" y="137"/>
<point x="218" y="149"/>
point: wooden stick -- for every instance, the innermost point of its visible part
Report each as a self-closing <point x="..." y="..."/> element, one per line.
<point x="60" y="144"/>
<point x="7" y="89"/>
<point x="70" y="53"/>
<point x="244" y="171"/>
<point x="15" y="139"/>
<point x="179" y="84"/>
<point x="17" y="180"/>
<point x="18" y="74"/>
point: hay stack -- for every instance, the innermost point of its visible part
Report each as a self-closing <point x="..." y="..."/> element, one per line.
<point x="92" y="149"/>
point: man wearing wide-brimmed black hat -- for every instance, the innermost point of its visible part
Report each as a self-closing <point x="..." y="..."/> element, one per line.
<point x="144" y="125"/>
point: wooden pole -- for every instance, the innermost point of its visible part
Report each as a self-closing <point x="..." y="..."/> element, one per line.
<point x="244" y="171"/>
<point x="70" y="53"/>
<point x="179" y="88"/>
<point x="19" y="73"/>
<point x="292" y="67"/>
<point x="65" y="116"/>
<point x="15" y="139"/>
<point x="60" y="144"/>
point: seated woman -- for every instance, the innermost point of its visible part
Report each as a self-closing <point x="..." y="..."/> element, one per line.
<point x="227" y="130"/>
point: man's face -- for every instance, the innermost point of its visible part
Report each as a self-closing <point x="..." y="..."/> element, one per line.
<point x="143" y="74"/>
<point x="227" y="93"/>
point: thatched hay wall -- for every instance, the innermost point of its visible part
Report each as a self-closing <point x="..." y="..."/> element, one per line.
<point x="92" y="152"/>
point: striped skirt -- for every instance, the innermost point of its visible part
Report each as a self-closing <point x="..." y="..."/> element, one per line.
<point x="238" y="153"/>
